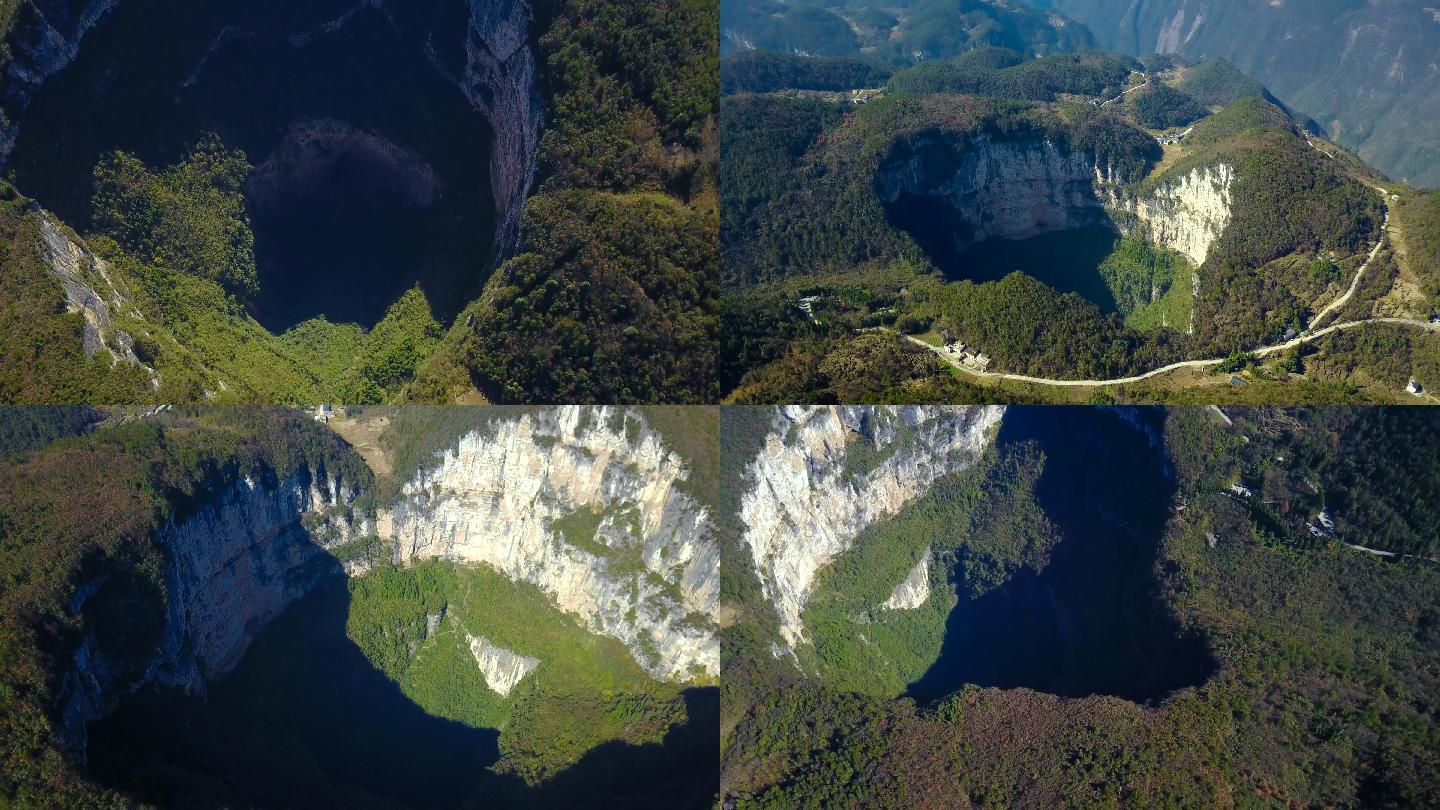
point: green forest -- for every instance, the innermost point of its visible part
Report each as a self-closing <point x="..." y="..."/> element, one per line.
<point x="629" y="144"/>
<point x="802" y="215"/>
<point x="1320" y="693"/>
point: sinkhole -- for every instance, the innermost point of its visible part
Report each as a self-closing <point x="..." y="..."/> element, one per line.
<point x="371" y="127"/>
<point x="1092" y="621"/>
<point x="981" y="209"/>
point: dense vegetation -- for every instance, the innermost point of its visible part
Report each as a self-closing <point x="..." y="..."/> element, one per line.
<point x="759" y="72"/>
<point x="620" y="259"/>
<point x="129" y="480"/>
<point x="1323" y="693"/>
<point x="1162" y="106"/>
<point x="179" y="263"/>
<point x="1007" y="74"/>
<point x="801" y="217"/>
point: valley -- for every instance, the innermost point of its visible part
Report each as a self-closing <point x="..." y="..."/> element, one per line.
<point x="275" y="623"/>
<point x="1089" y="606"/>
<point x="1237" y="244"/>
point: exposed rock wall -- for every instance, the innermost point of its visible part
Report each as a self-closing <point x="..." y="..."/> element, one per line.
<point x="497" y="75"/>
<point x="1005" y="189"/>
<point x="912" y="592"/>
<point x="231" y="567"/>
<point x="85" y="278"/>
<point x="1186" y="214"/>
<point x="44" y="37"/>
<point x="804" y="508"/>
<point x="1020" y="189"/>
<point x="650" y="574"/>
<point x="502" y="668"/>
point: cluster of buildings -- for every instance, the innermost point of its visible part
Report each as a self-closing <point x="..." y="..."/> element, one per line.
<point x="968" y="356"/>
<point x="321" y="413"/>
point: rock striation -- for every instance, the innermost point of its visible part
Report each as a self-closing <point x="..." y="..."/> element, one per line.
<point x="84" y="277"/>
<point x="912" y="592"/>
<point x="809" y="499"/>
<point x="495" y="70"/>
<point x="649" y="575"/>
<point x="231" y="567"/>
<point x="502" y="668"/>
<point x="1019" y="189"/>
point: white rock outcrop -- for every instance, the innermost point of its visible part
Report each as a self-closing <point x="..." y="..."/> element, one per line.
<point x="1186" y="214"/>
<point x="1019" y="189"/>
<point x="649" y="576"/>
<point x="89" y="292"/>
<point x="803" y="509"/>
<point x="912" y="592"/>
<point x="502" y="668"/>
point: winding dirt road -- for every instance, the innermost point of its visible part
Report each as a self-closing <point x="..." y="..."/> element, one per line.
<point x="1309" y="334"/>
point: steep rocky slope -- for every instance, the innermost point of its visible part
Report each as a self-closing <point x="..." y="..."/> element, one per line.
<point x="825" y="474"/>
<point x="1367" y="71"/>
<point x="646" y="572"/>
<point x="1020" y="189"/>
<point x="231" y="567"/>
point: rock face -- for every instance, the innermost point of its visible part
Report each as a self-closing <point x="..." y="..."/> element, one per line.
<point x="496" y="73"/>
<point x="1010" y="190"/>
<point x="805" y="507"/>
<point x="84" y="276"/>
<point x="502" y="668"/>
<point x="1369" y="72"/>
<point x="915" y="589"/>
<point x="1020" y="189"/>
<point x="1187" y="214"/>
<point x="231" y="567"/>
<point x="649" y="574"/>
<point x="44" y="37"/>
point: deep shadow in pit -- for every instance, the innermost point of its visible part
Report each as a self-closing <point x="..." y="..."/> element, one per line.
<point x="1092" y="621"/>
<point x="1067" y="260"/>
<point x="307" y="721"/>
<point x="372" y="173"/>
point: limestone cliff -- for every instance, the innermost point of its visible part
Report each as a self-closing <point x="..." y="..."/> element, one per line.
<point x="231" y="567"/>
<point x="496" y="74"/>
<point x="89" y="291"/>
<point x="826" y="474"/>
<point x="1185" y="214"/>
<point x="912" y="592"/>
<point x="646" y="574"/>
<point x="502" y="668"/>
<point x="1019" y="189"/>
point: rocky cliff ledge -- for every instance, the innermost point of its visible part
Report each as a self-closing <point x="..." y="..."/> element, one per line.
<point x="231" y="567"/>
<point x="826" y="474"/>
<point x="1020" y="189"/>
<point x="647" y="573"/>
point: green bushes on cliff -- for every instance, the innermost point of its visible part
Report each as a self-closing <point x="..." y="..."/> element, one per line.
<point x="190" y="218"/>
<point x="79" y="517"/>
<point x="612" y="298"/>
<point x="1162" y="106"/>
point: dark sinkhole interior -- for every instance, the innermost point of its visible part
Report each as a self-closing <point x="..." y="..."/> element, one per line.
<point x="372" y="168"/>
<point x="1092" y="621"/>
<point x="1067" y="260"/>
<point x="305" y="720"/>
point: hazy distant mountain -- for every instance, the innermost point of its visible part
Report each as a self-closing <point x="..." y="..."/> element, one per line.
<point x="1367" y="70"/>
